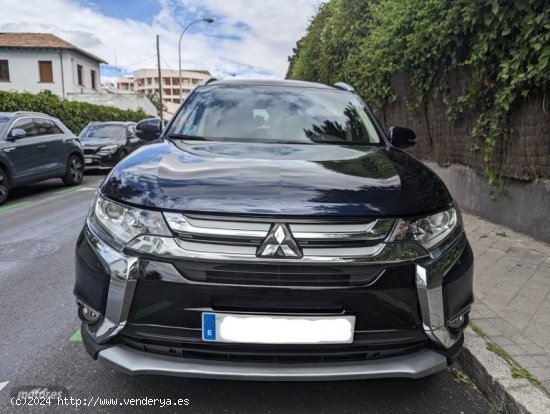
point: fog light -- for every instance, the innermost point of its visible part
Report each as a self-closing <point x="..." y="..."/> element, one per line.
<point x="88" y="315"/>
<point x="458" y="323"/>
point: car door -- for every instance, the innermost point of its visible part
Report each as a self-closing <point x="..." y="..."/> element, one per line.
<point x="25" y="154"/>
<point x="132" y="139"/>
<point x="54" y="155"/>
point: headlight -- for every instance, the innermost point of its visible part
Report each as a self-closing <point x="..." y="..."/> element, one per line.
<point x="123" y="223"/>
<point x="431" y="230"/>
<point x="108" y="149"/>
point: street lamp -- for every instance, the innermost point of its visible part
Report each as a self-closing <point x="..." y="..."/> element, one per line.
<point x="204" y="19"/>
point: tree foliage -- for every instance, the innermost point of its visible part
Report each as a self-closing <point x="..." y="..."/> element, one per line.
<point x="504" y="45"/>
<point x="75" y="115"/>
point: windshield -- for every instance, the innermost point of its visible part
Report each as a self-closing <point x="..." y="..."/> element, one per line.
<point x="104" y="131"/>
<point x="275" y="114"/>
<point x="3" y="121"/>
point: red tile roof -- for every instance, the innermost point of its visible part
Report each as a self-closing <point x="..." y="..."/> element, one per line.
<point x="41" y="41"/>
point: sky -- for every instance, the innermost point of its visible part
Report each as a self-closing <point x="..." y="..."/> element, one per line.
<point x="248" y="39"/>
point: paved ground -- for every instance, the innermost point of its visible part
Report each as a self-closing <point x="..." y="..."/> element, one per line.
<point x="38" y="317"/>
<point x="512" y="288"/>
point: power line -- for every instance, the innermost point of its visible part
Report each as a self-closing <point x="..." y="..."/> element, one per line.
<point x="139" y="61"/>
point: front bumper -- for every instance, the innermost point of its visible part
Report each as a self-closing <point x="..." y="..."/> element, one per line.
<point x="107" y="281"/>
<point x="130" y="361"/>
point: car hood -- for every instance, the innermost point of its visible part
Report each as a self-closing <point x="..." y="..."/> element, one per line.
<point x="99" y="142"/>
<point x="268" y="179"/>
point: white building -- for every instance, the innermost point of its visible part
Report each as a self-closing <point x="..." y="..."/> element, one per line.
<point x="125" y="85"/>
<point x="33" y="62"/>
<point x="146" y="82"/>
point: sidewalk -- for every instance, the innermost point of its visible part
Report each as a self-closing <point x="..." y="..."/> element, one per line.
<point x="512" y="291"/>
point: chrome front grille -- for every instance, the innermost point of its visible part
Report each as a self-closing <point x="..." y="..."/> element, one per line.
<point x="246" y="232"/>
<point x="241" y="239"/>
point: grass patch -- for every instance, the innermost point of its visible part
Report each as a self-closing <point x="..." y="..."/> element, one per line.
<point x="517" y="370"/>
<point x="461" y="376"/>
<point x="501" y="233"/>
<point x="477" y="330"/>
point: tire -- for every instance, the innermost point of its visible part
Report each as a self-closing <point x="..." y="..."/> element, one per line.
<point x="4" y="186"/>
<point x="75" y="171"/>
<point x="121" y="155"/>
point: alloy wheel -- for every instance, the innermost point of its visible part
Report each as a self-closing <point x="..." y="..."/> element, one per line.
<point x="75" y="170"/>
<point x="3" y="186"/>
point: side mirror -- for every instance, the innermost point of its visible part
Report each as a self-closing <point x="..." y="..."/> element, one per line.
<point x="402" y="137"/>
<point x="148" y="130"/>
<point x="17" y="133"/>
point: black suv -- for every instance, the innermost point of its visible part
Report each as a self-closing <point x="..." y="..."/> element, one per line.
<point x="35" y="147"/>
<point x="274" y="232"/>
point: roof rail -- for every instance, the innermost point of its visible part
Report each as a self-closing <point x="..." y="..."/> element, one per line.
<point x="344" y="86"/>
<point x="207" y="81"/>
<point x="29" y="113"/>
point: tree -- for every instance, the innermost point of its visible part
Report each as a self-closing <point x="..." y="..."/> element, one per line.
<point x="155" y="100"/>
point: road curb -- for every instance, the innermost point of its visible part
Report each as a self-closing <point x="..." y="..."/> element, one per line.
<point x="493" y="377"/>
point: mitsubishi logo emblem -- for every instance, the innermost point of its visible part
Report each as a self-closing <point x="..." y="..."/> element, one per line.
<point x="279" y="243"/>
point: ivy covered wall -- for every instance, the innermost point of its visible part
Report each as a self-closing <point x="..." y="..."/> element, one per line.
<point x="473" y="76"/>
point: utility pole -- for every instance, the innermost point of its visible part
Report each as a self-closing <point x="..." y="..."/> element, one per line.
<point x="160" y="86"/>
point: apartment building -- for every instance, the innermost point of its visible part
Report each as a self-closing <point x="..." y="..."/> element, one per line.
<point x="125" y="84"/>
<point x="146" y="81"/>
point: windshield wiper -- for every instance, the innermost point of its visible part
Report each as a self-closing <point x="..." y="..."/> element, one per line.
<point x="188" y="137"/>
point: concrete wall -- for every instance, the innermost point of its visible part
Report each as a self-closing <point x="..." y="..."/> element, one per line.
<point x="121" y="101"/>
<point x="523" y="206"/>
<point x="25" y="77"/>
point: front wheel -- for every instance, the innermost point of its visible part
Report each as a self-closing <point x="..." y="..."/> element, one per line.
<point x="4" y="186"/>
<point x="75" y="171"/>
<point x="121" y="155"/>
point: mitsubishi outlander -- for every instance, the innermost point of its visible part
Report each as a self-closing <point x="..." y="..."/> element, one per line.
<point x="274" y="231"/>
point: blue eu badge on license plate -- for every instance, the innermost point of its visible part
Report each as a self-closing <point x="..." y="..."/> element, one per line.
<point x="209" y="326"/>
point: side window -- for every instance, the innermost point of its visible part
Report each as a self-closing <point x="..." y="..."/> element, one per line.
<point x="46" y="127"/>
<point x="131" y="130"/>
<point x="27" y="125"/>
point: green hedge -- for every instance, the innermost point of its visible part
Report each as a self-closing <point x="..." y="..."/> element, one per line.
<point x="75" y="115"/>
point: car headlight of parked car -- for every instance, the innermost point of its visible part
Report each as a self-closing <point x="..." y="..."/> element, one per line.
<point x="108" y="150"/>
<point x="430" y="231"/>
<point x="120" y="224"/>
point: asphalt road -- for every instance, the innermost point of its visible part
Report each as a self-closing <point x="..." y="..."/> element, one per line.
<point x="38" y="229"/>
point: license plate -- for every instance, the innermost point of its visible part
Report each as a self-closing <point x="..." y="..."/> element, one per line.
<point x="267" y="329"/>
<point x="88" y="160"/>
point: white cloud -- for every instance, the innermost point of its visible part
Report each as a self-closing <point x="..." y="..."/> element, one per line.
<point x="249" y="38"/>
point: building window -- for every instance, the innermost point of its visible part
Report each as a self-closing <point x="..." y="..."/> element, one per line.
<point x="92" y="75"/>
<point x="79" y="75"/>
<point x="4" y="71"/>
<point x="45" y="71"/>
<point x="149" y="81"/>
